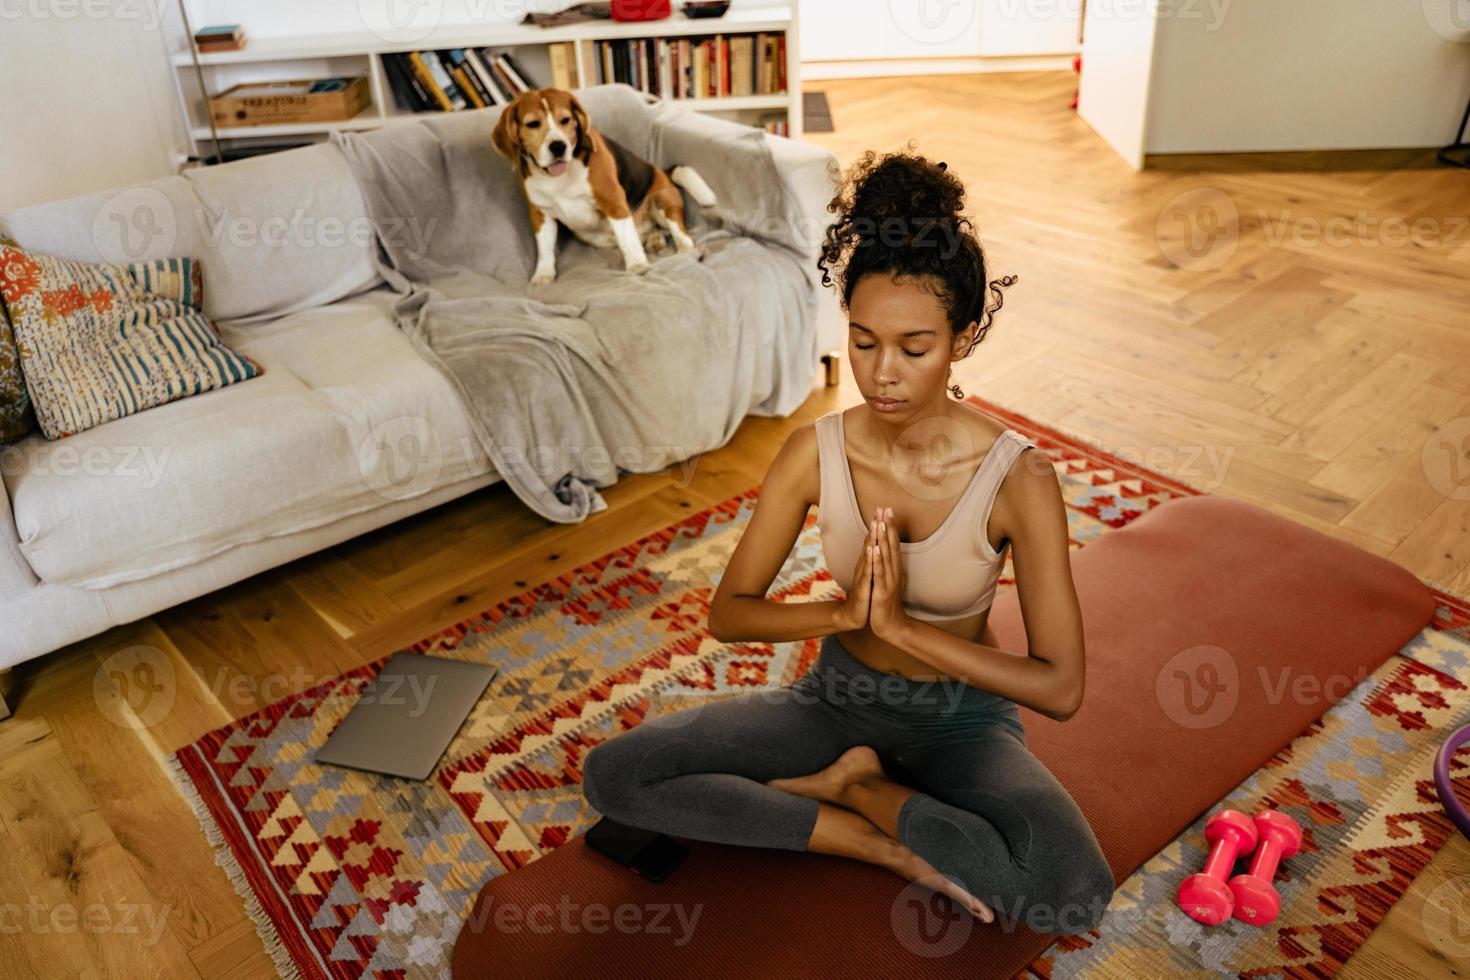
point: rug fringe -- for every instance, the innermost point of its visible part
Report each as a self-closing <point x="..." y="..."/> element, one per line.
<point x="225" y="858"/>
<point x="1439" y="587"/>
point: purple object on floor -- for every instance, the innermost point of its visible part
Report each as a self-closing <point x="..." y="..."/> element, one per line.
<point x="1442" y="784"/>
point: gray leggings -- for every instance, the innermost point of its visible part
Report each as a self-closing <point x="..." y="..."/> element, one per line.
<point x="988" y="814"/>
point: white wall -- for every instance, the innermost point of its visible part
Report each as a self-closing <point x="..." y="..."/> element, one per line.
<point x="1306" y="75"/>
<point x="868" y="30"/>
<point x="86" y="100"/>
<point x="1215" y="76"/>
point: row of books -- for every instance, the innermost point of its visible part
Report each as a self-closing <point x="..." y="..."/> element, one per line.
<point x="468" y="78"/>
<point x="697" y="68"/>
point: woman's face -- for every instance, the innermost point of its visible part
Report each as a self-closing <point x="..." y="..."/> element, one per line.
<point x="900" y="342"/>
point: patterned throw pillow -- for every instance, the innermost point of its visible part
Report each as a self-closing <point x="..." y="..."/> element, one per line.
<point x="15" y="403"/>
<point x="98" y="342"/>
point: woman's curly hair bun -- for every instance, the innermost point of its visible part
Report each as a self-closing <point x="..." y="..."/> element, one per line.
<point x="902" y="215"/>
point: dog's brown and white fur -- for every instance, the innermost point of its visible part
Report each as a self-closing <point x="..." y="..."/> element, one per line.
<point x="607" y="196"/>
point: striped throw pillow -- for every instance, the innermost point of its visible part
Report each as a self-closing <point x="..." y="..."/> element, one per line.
<point x="98" y="342"/>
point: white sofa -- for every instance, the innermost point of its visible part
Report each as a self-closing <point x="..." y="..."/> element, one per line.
<point x="347" y="430"/>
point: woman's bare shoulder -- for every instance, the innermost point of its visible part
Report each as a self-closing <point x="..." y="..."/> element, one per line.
<point x="797" y="466"/>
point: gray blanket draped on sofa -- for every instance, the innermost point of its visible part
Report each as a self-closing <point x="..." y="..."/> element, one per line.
<point x="602" y="370"/>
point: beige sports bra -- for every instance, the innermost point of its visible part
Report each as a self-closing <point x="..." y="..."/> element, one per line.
<point x="950" y="574"/>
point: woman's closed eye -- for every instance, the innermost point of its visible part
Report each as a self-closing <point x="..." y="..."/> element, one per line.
<point x="908" y="352"/>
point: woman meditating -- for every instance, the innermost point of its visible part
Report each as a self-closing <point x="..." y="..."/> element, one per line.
<point x="903" y="746"/>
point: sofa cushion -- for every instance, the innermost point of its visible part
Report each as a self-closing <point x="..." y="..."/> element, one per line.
<point x="276" y="234"/>
<point x="100" y="341"/>
<point x="347" y="418"/>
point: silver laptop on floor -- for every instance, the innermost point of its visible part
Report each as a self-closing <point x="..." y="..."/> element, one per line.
<point x="407" y="715"/>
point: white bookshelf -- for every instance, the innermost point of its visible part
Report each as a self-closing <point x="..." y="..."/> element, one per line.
<point x="359" y="53"/>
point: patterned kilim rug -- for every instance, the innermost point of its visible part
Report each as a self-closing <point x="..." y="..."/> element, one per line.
<point x="347" y="874"/>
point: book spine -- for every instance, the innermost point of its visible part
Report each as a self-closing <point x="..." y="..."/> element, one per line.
<point x="502" y="76"/>
<point x="439" y="68"/>
<point x="561" y="73"/>
<point x="483" y="75"/>
<point x="522" y="80"/>
<point x="426" y="78"/>
<point x="402" y="84"/>
<point x="665" y="70"/>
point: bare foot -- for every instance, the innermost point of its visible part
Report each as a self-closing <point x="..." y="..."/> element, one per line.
<point x="830" y="784"/>
<point x="911" y="866"/>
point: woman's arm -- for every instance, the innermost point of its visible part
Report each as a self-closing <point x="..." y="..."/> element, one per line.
<point x="1050" y="679"/>
<point x="740" y="609"/>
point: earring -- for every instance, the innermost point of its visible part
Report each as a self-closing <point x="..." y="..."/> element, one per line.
<point x="955" y="389"/>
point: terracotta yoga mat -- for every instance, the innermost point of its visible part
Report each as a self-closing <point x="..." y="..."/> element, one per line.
<point x="1216" y="632"/>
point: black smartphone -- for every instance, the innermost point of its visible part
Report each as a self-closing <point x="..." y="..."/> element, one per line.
<point x="647" y="853"/>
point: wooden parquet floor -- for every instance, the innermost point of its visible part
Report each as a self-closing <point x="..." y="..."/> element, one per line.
<point x="1286" y="328"/>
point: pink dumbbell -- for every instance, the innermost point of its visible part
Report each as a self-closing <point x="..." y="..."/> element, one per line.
<point x="1256" y="900"/>
<point x="1204" y="897"/>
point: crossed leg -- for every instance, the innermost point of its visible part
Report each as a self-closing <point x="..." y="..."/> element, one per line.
<point x="704" y="773"/>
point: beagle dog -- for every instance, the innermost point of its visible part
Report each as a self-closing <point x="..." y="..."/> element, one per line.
<point x="606" y="195"/>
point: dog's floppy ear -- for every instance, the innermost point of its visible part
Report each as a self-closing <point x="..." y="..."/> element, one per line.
<point x="583" y="149"/>
<point x="507" y="136"/>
